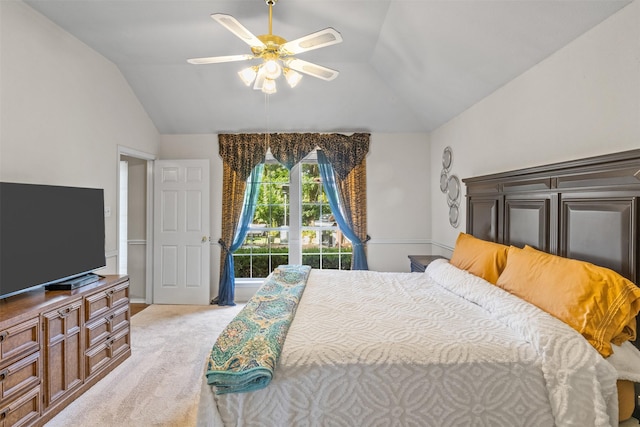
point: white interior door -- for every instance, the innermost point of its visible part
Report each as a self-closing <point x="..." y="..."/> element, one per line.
<point x="181" y="232"/>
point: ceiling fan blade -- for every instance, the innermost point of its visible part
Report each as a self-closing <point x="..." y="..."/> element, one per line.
<point x="218" y="59"/>
<point x="232" y="24"/>
<point x="311" y="69"/>
<point x="322" y="38"/>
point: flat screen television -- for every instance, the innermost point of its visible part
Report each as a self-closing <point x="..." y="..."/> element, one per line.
<point x="48" y="235"/>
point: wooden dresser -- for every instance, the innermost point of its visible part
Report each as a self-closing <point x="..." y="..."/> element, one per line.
<point x="54" y="345"/>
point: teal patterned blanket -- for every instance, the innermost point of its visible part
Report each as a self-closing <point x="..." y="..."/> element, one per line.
<point x="246" y="352"/>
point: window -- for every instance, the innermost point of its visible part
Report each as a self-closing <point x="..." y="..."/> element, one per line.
<point x="293" y="224"/>
<point x="323" y="245"/>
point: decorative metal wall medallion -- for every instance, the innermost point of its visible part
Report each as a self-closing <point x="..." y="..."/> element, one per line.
<point x="454" y="216"/>
<point x="453" y="191"/>
<point x="450" y="185"/>
<point x="447" y="158"/>
<point x="444" y="181"/>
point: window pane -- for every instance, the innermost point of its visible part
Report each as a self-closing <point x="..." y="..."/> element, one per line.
<point x="329" y="238"/>
<point x="312" y="260"/>
<point x="345" y="262"/>
<point x="241" y="264"/>
<point x="280" y="260"/>
<point x="310" y="213"/>
<point x="309" y="240"/>
<point x="260" y="266"/>
<point x="256" y="237"/>
<point x="331" y="262"/>
<point x="278" y="215"/>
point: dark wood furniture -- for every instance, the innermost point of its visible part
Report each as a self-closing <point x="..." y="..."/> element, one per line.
<point x="419" y="263"/>
<point x="54" y="345"/>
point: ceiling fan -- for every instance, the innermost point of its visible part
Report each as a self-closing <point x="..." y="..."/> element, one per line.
<point x="276" y="54"/>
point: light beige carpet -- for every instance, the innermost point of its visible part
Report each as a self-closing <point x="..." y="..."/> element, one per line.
<point x="159" y="385"/>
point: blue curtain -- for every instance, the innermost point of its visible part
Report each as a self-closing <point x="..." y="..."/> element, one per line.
<point x="226" y="293"/>
<point x="331" y="189"/>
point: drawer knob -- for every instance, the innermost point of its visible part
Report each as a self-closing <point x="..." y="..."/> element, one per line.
<point x="4" y="374"/>
<point x="4" y="413"/>
<point x="3" y="335"/>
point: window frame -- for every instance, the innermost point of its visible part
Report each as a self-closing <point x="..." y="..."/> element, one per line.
<point x="294" y="227"/>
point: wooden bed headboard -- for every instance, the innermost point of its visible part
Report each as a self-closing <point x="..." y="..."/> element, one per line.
<point x="585" y="209"/>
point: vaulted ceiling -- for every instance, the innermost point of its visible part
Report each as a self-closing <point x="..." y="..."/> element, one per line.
<point x="405" y="66"/>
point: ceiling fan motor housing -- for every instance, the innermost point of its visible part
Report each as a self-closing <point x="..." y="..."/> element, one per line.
<point x="272" y="43"/>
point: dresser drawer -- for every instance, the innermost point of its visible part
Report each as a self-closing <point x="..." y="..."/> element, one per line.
<point x="22" y="411"/>
<point x="19" y="376"/>
<point x="99" y="329"/>
<point x="101" y="355"/>
<point x="21" y="339"/>
<point x="101" y="302"/>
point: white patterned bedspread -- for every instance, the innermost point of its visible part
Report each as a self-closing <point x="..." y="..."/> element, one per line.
<point x="444" y="348"/>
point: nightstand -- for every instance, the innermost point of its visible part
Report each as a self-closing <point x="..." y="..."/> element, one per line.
<point x="420" y="262"/>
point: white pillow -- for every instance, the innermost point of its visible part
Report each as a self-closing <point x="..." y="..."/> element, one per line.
<point x="626" y="360"/>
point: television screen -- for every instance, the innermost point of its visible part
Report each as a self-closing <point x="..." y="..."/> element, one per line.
<point x="48" y="234"/>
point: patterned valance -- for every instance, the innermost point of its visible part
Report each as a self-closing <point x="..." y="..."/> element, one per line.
<point x="290" y="148"/>
<point x="344" y="152"/>
<point x="243" y="151"/>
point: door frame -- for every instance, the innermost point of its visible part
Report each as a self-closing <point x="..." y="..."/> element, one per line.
<point x="150" y="158"/>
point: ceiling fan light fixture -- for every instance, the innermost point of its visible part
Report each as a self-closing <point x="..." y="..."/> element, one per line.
<point x="248" y="75"/>
<point x="269" y="86"/>
<point x="272" y="69"/>
<point x="292" y="77"/>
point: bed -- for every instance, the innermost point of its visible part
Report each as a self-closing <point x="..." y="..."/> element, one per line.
<point x="459" y="344"/>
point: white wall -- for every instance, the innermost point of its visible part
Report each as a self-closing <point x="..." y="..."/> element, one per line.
<point x="582" y="101"/>
<point x="398" y="195"/>
<point x="64" y="111"/>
